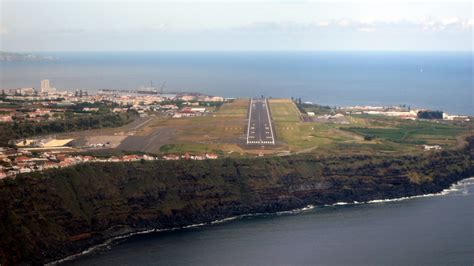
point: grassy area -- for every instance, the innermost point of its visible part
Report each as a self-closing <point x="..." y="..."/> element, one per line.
<point x="226" y="123"/>
<point x="214" y="132"/>
<point x="182" y="148"/>
<point x="222" y="130"/>
<point x="316" y="109"/>
<point x="413" y="132"/>
<point x="236" y="108"/>
<point x="364" y="133"/>
<point x="198" y="148"/>
<point x="284" y="110"/>
<point x="301" y="136"/>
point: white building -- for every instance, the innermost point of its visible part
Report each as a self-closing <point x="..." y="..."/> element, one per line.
<point x="45" y="87"/>
<point x="198" y="109"/>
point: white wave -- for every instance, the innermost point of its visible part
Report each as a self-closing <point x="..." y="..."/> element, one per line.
<point x="190" y="226"/>
<point x="307" y="208"/>
<point x="225" y="220"/>
<point x="342" y="203"/>
<point x="460" y="185"/>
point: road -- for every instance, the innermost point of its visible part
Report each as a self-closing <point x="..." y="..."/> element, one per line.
<point x="260" y="130"/>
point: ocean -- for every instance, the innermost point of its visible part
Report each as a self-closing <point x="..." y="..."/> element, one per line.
<point x="434" y="230"/>
<point x="434" y="80"/>
<point x="426" y="230"/>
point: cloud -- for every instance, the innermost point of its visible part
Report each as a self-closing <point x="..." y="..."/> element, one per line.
<point x="64" y="30"/>
<point x="156" y="27"/>
<point x="468" y="23"/>
<point x="364" y="25"/>
<point x="323" y="23"/>
<point x="343" y="23"/>
<point x="366" y="29"/>
<point x="367" y="20"/>
<point x="3" y="30"/>
<point x="448" y="23"/>
<point x="276" y="27"/>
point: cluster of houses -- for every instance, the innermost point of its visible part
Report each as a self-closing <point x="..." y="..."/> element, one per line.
<point x="336" y="118"/>
<point x="198" y="98"/>
<point x="8" y="114"/>
<point x="187" y="156"/>
<point x="140" y="99"/>
<point x="190" y="112"/>
<point x="400" y="112"/>
<point x="432" y="147"/>
<point x="393" y="111"/>
<point x="171" y="109"/>
<point x="142" y="103"/>
<point x="18" y="161"/>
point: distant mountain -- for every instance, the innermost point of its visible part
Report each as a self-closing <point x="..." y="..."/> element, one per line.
<point x="22" y="57"/>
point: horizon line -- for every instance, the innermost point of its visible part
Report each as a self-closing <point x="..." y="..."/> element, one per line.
<point x="217" y="50"/>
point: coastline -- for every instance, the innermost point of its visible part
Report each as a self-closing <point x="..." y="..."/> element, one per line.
<point x="92" y="204"/>
<point x="452" y="188"/>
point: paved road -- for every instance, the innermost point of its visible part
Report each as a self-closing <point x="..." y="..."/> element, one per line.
<point x="260" y="129"/>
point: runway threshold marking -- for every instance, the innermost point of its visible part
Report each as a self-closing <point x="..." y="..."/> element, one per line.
<point x="268" y="136"/>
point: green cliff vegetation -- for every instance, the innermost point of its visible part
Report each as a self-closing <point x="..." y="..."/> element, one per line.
<point x="49" y="215"/>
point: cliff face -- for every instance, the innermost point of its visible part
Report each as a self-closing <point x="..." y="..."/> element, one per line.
<point x="50" y="215"/>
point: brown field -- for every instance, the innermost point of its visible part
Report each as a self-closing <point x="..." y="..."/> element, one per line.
<point x="221" y="130"/>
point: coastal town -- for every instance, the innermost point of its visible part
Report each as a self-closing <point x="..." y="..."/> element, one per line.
<point x="47" y="104"/>
<point x="34" y="117"/>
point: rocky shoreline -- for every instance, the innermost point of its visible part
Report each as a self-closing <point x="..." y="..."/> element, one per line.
<point x="135" y="232"/>
<point x="52" y="215"/>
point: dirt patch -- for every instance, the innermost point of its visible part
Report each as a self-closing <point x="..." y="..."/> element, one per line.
<point x="149" y="143"/>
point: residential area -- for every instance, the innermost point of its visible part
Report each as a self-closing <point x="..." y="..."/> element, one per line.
<point x="16" y="161"/>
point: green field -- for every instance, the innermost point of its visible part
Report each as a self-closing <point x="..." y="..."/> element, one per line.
<point x="183" y="148"/>
<point x="301" y="136"/>
<point x="364" y="133"/>
<point x="413" y="133"/>
<point x="283" y="110"/>
<point x="237" y="108"/>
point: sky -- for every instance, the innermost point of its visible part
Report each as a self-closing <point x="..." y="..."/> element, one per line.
<point x="238" y="25"/>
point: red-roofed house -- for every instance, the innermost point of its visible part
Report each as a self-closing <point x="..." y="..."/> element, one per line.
<point x="22" y="159"/>
<point x="130" y="158"/>
<point x="171" y="157"/>
<point x="211" y="156"/>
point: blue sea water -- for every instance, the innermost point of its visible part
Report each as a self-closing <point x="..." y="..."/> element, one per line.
<point x="431" y="230"/>
<point x="435" y="80"/>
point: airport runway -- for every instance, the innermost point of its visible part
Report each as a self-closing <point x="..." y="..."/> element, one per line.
<point x="260" y="129"/>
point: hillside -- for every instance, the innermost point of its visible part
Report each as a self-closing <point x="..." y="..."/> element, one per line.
<point x="50" y="215"/>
